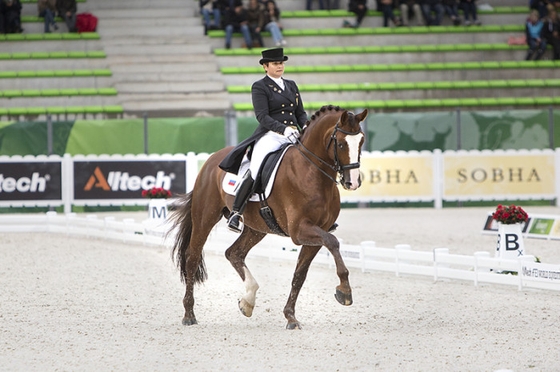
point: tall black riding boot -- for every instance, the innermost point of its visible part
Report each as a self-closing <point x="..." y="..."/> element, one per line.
<point x="242" y="195"/>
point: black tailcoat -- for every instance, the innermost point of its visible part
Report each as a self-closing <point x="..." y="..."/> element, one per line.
<point x="275" y="109"/>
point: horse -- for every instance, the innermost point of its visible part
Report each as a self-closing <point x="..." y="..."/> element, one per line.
<point x="305" y="200"/>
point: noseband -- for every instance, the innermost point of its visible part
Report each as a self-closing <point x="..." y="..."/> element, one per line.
<point x="337" y="167"/>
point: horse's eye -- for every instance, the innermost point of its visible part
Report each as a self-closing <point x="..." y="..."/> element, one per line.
<point x="341" y="146"/>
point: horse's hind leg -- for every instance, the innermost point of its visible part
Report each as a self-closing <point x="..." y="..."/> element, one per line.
<point x="306" y="256"/>
<point x="236" y="255"/>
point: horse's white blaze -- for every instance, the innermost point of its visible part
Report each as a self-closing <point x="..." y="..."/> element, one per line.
<point x="354" y="154"/>
<point x="251" y="287"/>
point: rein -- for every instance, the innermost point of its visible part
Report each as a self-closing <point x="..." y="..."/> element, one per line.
<point x="336" y="167"/>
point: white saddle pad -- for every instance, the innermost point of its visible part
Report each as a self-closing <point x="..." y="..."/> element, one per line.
<point x="231" y="180"/>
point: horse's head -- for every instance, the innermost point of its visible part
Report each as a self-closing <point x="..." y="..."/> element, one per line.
<point x="347" y="139"/>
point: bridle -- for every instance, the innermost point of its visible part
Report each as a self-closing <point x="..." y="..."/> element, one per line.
<point x="337" y="167"/>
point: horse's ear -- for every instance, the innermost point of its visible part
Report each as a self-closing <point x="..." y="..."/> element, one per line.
<point x="362" y="116"/>
<point x="344" y="116"/>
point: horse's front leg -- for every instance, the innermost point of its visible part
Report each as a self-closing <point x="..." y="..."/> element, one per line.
<point x="306" y="256"/>
<point x="317" y="236"/>
<point x="236" y="255"/>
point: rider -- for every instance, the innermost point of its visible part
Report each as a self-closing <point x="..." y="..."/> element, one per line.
<point x="279" y="110"/>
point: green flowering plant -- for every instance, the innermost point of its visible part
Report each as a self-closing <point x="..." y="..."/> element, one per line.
<point x="156" y="193"/>
<point x="510" y="214"/>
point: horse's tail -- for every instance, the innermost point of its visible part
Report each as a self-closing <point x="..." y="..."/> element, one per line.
<point x="181" y="219"/>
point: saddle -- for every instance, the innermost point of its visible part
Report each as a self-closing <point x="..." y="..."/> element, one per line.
<point x="264" y="181"/>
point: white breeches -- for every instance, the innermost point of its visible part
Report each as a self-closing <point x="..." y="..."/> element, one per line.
<point x="268" y="143"/>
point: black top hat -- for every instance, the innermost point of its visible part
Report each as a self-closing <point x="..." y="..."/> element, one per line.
<point x="273" y="55"/>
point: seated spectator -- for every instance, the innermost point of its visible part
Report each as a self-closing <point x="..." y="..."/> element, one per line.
<point x="309" y="3"/>
<point x="67" y="10"/>
<point x="236" y="21"/>
<point x="272" y="23"/>
<point x="211" y="13"/>
<point x="255" y="19"/>
<point x="429" y="6"/>
<point x="358" y="7"/>
<point x="47" y="10"/>
<point x="469" y="10"/>
<point x="388" y="14"/>
<point x="409" y="9"/>
<point x="10" y="17"/>
<point x="551" y="27"/>
<point x="533" y="30"/>
<point x="451" y="9"/>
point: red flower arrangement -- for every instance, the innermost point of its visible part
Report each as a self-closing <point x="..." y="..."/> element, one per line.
<point x="156" y="193"/>
<point x="510" y="215"/>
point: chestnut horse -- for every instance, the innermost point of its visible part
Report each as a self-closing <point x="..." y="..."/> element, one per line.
<point x="305" y="200"/>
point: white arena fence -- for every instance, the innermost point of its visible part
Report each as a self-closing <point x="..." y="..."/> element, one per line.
<point x="105" y="180"/>
<point x="402" y="260"/>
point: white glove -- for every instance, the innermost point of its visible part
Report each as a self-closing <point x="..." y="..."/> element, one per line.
<point x="292" y="134"/>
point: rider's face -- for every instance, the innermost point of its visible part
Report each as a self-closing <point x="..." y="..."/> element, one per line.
<point x="274" y="69"/>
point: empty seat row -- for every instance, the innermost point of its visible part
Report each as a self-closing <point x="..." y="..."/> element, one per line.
<point x="54" y="55"/>
<point x="426" y="103"/>
<point x="54" y="73"/>
<point x="68" y="110"/>
<point x="51" y="36"/>
<point x="58" y="92"/>
<point x="422" y="85"/>
<point x="402" y="67"/>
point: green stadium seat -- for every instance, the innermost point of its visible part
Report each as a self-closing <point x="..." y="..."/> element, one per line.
<point x="488" y="101"/>
<point x="480" y="84"/>
<point x="56" y="110"/>
<point x="74" y="110"/>
<point x="21" y="55"/>
<point x="31" y="93"/>
<point x="113" y="109"/>
<point x="44" y="73"/>
<point x="525" y="101"/>
<point x="39" y="55"/>
<point x="8" y="74"/>
<point x="17" y="111"/>
<point x="107" y="91"/>
<point x="11" y="93"/>
<point x="87" y="91"/>
<point x="69" y="92"/>
<point x="468" y="101"/>
<point x="506" y="101"/>
<point x="36" y="111"/>
<point x="376" y="104"/>
<point x="50" y="92"/>
<point x="450" y="102"/>
<point x="544" y="100"/>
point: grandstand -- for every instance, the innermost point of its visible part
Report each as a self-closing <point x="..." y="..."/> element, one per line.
<point x="153" y="57"/>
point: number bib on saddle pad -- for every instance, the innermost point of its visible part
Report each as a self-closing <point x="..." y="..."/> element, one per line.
<point x="265" y="178"/>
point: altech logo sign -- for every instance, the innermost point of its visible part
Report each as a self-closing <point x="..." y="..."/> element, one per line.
<point x="30" y="181"/>
<point x="126" y="179"/>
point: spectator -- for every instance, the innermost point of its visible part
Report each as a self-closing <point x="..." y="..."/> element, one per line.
<point x="410" y="8"/>
<point x="67" y="10"/>
<point x="10" y="17"/>
<point x="236" y="21"/>
<point x="550" y="34"/>
<point x="469" y="10"/>
<point x="211" y="13"/>
<point x="255" y="19"/>
<point x="358" y="7"/>
<point x="310" y="2"/>
<point x="429" y="6"/>
<point x="533" y="30"/>
<point x="451" y="9"/>
<point x="388" y="14"/>
<point x="272" y="23"/>
<point x="47" y="10"/>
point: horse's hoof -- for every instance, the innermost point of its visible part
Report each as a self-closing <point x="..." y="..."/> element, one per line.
<point x="189" y="321"/>
<point x="293" y="325"/>
<point x="246" y="308"/>
<point x="343" y="298"/>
